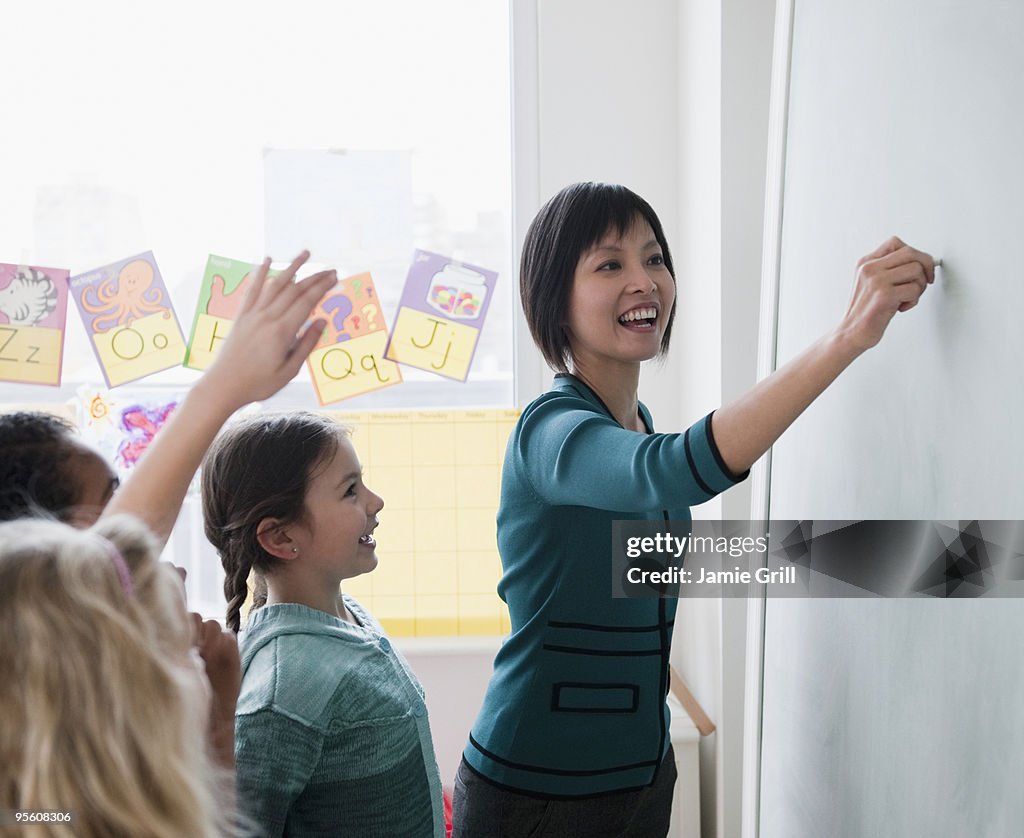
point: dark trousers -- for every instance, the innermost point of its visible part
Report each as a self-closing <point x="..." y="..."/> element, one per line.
<point x="483" y="810"/>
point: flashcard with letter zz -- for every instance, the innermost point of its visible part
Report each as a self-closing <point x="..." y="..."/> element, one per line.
<point x="33" y="313"/>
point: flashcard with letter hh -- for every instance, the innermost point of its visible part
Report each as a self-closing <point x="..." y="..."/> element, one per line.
<point x="33" y="313"/>
<point x="225" y="283"/>
<point x="349" y="357"/>
<point x="129" y="319"/>
<point x="441" y="314"/>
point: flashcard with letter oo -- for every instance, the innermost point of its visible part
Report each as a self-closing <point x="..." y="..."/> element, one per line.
<point x="129" y="318"/>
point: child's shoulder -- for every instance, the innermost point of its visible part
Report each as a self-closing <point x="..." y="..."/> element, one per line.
<point x="315" y="669"/>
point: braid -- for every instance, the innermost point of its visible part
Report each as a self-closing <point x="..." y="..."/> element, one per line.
<point x="237" y="565"/>
<point x="259" y="591"/>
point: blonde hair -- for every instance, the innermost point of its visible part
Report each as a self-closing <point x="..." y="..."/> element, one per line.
<point x="101" y="709"/>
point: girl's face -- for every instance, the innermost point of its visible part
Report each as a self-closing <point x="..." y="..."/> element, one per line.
<point x="622" y="294"/>
<point x="94" y="480"/>
<point x="336" y="538"/>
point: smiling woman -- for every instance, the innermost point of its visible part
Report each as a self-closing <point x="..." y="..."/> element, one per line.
<point x="620" y="289"/>
<point x="572" y="739"/>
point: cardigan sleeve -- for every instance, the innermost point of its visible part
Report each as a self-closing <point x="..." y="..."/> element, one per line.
<point x="274" y="758"/>
<point x="573" y="455"/>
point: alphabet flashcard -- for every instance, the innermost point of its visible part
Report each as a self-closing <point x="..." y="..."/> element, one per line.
<point x="349" y="357"/>
<point x="223" y="288"/>
<point x="442" y="311"/>
<point x="129" y="319"/>
<point x="33" y="314"/>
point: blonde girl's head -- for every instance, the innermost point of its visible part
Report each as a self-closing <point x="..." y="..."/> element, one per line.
<point x="102" y="710"/>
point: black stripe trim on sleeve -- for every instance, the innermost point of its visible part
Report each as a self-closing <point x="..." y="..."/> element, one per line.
<point x="718" y="454"/>
<point x="612" y="653"/>
<point x="693" y="466"/>
<point x="601" y="627"/>
<point x="561" y="772"/>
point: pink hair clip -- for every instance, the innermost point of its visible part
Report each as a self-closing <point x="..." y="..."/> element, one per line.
<point x="120" y="564"/>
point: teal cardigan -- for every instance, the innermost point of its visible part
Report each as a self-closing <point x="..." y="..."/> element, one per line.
<point x="576" y="704"/>
<point x="331" y="732"/>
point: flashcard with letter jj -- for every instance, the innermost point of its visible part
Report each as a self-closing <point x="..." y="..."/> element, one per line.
<point x="224" y="286"/>
<point x="129" y="319"/>
<point x="349" y="357"/>
<point x="441" y="314"/>
<point x="33" y="313"/>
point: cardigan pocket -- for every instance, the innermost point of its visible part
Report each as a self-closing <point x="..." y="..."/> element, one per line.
<point x="584" y="697"/>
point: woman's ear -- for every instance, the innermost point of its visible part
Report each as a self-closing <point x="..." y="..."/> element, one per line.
<point x="272" y="535"/>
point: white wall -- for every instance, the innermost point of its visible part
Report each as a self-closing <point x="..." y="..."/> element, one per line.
<point x="747" y="40"/>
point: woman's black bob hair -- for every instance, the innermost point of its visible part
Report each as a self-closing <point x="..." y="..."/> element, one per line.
<point x="569" y="224"/>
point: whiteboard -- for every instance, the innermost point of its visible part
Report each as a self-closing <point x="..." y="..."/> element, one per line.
<point x="900" y="717"/>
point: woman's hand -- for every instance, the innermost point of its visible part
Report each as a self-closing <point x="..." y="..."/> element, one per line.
<point x="890" y="279"/>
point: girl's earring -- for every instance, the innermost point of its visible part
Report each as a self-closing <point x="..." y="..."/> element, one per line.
<point x="295" y="549"/>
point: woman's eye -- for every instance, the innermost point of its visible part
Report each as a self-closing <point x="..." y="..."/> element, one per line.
<point x="657" y="259"/>
<point x="609" y="266"/>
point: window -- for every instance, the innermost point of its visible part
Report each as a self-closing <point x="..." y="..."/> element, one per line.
<point x="134" y="128"/>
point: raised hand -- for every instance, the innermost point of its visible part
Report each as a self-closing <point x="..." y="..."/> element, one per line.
<point x="267" y="345"/>
<point x="265" y="348"/>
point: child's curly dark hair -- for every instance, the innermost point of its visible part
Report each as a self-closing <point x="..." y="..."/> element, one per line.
<point x="33" y="479"/>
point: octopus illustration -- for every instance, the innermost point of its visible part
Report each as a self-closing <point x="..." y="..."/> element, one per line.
<point x="29" y="298"/>
<point x="127" y="298"/>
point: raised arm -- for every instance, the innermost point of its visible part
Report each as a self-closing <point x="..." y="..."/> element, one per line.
<point x="263" y="352"/>
<point x="889" y="280"/>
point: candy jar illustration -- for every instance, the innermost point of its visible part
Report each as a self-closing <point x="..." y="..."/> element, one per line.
<point x="457" y="292"/>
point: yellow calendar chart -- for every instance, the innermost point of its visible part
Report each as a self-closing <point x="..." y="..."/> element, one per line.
<point x="439" y="473"/>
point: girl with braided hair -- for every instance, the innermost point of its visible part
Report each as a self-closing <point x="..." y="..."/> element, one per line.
<point x="331" y="731"/>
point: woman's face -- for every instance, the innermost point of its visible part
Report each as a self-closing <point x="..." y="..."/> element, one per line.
<point x="621" y="298"/>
